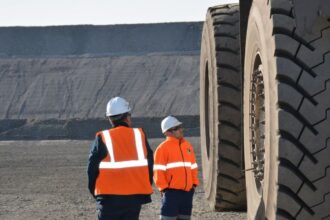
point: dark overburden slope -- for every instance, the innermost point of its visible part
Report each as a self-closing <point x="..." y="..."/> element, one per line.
<point x="99" y="40"/>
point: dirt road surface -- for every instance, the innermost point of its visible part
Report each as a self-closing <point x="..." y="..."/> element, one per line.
<point x="47" y="180"/>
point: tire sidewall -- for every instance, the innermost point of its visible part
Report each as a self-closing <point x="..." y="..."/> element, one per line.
<point x="209" y="164"/>
<point x="259" y="41"/>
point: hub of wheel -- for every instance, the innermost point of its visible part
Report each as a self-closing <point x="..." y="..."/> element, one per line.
<point x="257" y="124"/>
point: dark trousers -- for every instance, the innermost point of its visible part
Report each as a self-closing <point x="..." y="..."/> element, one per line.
<point x="120" y="213"/>
<point x="176" y="204"/>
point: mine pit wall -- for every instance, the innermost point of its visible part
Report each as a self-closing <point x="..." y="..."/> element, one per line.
<point x="82" y="129"/>
<point x="55" y="81"/>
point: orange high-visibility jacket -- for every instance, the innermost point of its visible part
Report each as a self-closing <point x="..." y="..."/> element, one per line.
<point x="175" y="165"/>
<point x="124" y="171"/>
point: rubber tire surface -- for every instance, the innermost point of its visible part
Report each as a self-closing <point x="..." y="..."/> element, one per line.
<point x="220" y="109"/>
<point x="296" y="72"/>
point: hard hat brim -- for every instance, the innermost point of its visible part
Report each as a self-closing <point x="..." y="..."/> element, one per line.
<point x="120" y="113"/>
<point x="176" y="124"/>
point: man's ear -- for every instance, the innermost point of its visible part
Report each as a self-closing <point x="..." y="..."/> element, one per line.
<point x="128" y="120"/>
<point x="168" y="133"/>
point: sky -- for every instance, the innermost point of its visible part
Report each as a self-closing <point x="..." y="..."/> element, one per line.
<point x="102" y="12"/>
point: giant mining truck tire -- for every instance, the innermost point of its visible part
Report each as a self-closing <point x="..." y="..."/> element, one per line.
<point x="286" y="114"/>
<point x="220" y="109"/>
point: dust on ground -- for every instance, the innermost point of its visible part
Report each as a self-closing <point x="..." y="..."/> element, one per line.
<point x="48" y="180"/>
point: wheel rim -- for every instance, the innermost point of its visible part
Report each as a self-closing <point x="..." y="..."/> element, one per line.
<point x="257" y="124"/>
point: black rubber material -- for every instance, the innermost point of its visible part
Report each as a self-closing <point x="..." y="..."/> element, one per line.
<point x="302" y="60"/>
<point x="221" y="36"/>
<point x="304" y="97"/>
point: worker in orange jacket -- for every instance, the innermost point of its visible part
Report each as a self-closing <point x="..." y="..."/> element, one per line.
<point x="120" y="166"/>
<point x="175" y="171"/>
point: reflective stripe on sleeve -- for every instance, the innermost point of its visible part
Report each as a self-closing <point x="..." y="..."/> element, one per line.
<point x="175" y="165"/>
<point x="159" y="167"/>
<point x="194" y="166"/>
<point x="178" y="164"/>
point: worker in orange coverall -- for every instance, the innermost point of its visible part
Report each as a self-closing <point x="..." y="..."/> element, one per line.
<point x="175" y="171"/>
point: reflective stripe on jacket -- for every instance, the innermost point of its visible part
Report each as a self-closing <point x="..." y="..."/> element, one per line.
<point x="124" y="171"/>
<point x="175" y="165"/>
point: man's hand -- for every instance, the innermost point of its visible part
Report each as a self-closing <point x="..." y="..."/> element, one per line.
<point x="163" y="192"/>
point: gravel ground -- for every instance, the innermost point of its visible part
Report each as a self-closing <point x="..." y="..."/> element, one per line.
<point x="47" y="180"/>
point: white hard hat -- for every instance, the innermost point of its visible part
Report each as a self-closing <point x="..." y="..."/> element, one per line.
<point x="169" y="122"/>
<point x="117" y="106"/>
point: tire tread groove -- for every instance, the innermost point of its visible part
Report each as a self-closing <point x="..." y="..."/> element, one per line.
<point x="229" y="161"/>
<point x="285" y="214"/>
<point x="284" y="31"/>
<point x="230" y="105"/>
<point x="229" y="85"/>
<point x="289" y="137"/>
<point x="287" y="191"/>
<point x="286" y="163"/>
<point x="225" y="35"/>
<point x="227" y="66"/>
<point x="284" y="79"/>
<point x="281" y="11"/>
<point x="224" y="49"/>
<point x="220" y="23"/>
<point x="230" y="143"/>
<point x="226" y="176"/>
<point x="287" y="55"/>
<point x="323" y="200"/>
<point x="229" y="124"/>
<point x="289" y="109"/>
<point x="228" y="191"/>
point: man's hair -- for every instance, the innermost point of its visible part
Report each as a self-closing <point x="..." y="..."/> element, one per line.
<point x="118" y="119"/>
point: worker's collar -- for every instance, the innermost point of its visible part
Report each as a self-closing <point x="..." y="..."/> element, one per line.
<point x="168" y="138"/>
<point x="121" y="123"/>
